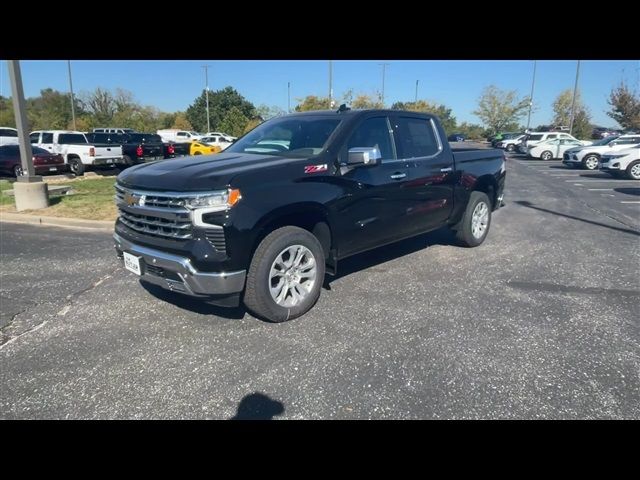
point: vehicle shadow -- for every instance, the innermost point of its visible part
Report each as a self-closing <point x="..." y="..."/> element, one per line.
<point x="193" y="304"/>
<point x="628" y="191"/>
<point x="258" y="406"/>
<point x="528" y="204"/>
<point x="380" y="255"/>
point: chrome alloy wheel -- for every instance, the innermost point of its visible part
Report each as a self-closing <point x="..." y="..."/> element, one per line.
<point x="635" y="171"/>
<point x="479" y="220"/>
<point x="292" y="276"/>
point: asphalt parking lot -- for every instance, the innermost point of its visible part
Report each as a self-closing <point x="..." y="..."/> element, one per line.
<point x="541" y="321"/>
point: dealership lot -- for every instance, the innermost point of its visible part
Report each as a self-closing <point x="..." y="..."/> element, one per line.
<point x="541" y="321"/>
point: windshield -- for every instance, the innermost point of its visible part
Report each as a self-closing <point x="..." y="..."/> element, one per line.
<point x="289" y="136"/>
<point x="605" y="140"/>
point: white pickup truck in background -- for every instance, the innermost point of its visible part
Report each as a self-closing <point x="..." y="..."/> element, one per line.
<point x="76" y="149"/>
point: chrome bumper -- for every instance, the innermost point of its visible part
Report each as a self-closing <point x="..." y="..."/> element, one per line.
<point x="177" y="274"/>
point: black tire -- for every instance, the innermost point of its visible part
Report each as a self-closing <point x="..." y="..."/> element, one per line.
<point x="546" y="155"/>
<point x="17" y="171"/>
<point x="633" y="170"/>
<point x="464" y="232"/>
<point x="76" y="166"/>
<point x="588" y="162"/>
<point x="511" y="148"/>
<point x="257" y="297"/>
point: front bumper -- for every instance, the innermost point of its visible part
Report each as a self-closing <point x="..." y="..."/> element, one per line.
<point x="177" y="274"/>
<point x="106" y="161"/>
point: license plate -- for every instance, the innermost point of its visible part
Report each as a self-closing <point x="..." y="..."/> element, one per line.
<point x="53" y="169"/>
<point x="132" y="263"/>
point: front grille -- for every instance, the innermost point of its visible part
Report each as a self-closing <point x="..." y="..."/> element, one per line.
<point x="216" y="238"/>
<point x="157" y="226"/>
<point x="153" y="200"/>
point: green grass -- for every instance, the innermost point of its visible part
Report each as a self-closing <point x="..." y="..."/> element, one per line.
<point x="92" y="199"/>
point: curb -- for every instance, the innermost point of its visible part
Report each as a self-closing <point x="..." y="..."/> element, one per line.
<point x="105" y="226"/>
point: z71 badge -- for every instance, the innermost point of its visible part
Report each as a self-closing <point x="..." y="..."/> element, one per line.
<point x="315" y="168"/>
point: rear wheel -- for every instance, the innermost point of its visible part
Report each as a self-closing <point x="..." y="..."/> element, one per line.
<point x="76" y="166"/>
<point x="474" y="226"/>
<point x="17" y="171"/>
<point x="511" y="147"/>
<point x="633" y="170"/>
<point x="286" y="275"/>
<point x="590" y="162"/>
<point x="546" y="155"/>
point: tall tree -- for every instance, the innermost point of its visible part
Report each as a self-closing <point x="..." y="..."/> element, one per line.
<point x="625" y="107"/>
<point x="220" y="102"/>
<point x="180" y="121"/>
<point x="562" y="113"/>
<point x="499" y="108"/>
<point x="100" y="104"/>
<point x="51" y="109"/>
<point x="363" y="101"/>
<point x="234" y="122"/>
<point x="7" y="119"/>
<point x="312" y="102"/>
<point x="441" y="111"/>
<point x="265" y="112"/>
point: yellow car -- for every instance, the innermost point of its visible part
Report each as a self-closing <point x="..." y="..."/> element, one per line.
<point x="198" y="148"/>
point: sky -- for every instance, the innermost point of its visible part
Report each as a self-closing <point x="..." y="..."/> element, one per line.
<point x="174" y="84"/>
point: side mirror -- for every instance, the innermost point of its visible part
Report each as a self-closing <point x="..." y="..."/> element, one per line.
<point x="367" y="156"/>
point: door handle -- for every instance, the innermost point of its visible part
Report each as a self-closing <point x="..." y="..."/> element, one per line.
<point x="398" y="176"/>
<point x="448" y="169"/>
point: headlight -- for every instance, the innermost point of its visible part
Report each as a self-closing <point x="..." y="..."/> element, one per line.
<point x="224" y="198"/>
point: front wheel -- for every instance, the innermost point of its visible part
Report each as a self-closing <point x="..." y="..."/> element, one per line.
<point x="590" y="162"/>
<point x="17" y="171"/>
<point x="546" y="155"/>
<point x="511" y="147"/>
<point x="286" y="275"/>
<point x="474" y="226"/>
<point x="633" y="170"/>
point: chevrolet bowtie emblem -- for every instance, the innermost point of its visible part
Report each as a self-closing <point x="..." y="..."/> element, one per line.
<point x="134" y="200"/>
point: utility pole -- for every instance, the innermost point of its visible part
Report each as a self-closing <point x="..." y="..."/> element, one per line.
<point x="73" y="106"/>
<point x="384" y="67"/>
<point x="206" y="84"/>
<point x="573" y="102"/>
<point x="30" y="192"/>
<point x="533" y="82"/>
<point x="416" y="100"/>
<point x="330" y="84"/>
<point x="288" y="97"/>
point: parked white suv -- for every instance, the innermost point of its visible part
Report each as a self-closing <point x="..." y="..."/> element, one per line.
<point x="8" y="136"/>
<point x="76" y="149"/>
<point x="623" y="163"/>
<point x="217" y="140"/>
<point x="537" y="137"/>
<point x="588" y="157"/>
<point x="510" y="144"/>
<point x="178" y="136"/>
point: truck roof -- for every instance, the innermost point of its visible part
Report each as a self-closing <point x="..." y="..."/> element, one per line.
<point x="57" y="131"/>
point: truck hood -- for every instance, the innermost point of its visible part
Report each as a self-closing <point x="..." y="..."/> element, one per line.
<point x="197" y="173"/>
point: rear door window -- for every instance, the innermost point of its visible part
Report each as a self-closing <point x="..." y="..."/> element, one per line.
<point x="417" y="138"/>
<point x="47" y="138"/>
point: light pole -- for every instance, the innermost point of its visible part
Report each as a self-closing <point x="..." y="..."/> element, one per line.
<point x="206" y="84"/>
<point x="330" y="84"/>
<point x="533" y="82"/>
<point x="288" y="97"/>
<point x="416" y="100"/>
<point x="573" y="101"/>
<point x="384" y="67"/>
<point x="73" y="107"/>
<point x="30" y="192"/>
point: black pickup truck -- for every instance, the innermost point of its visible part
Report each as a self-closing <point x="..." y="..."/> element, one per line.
<point x="136" y="147"/>
<point x="265" y="220"/>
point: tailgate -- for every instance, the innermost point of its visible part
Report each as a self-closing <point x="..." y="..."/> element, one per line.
<point x="108" y="150"/>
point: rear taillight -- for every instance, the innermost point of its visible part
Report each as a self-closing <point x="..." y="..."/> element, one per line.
<point x="139" y="151"/>
<point x="92" y="152"/>
<point x="171" y="150"/>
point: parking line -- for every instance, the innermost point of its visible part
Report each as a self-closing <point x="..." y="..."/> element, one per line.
<point x="601" y="181"/>
<point x="630" y="201"/>
<point x="599" y="189"/>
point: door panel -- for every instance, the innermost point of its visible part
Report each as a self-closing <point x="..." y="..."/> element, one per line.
<point x="373" y="210"/>
<point x="432" y="173"/>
